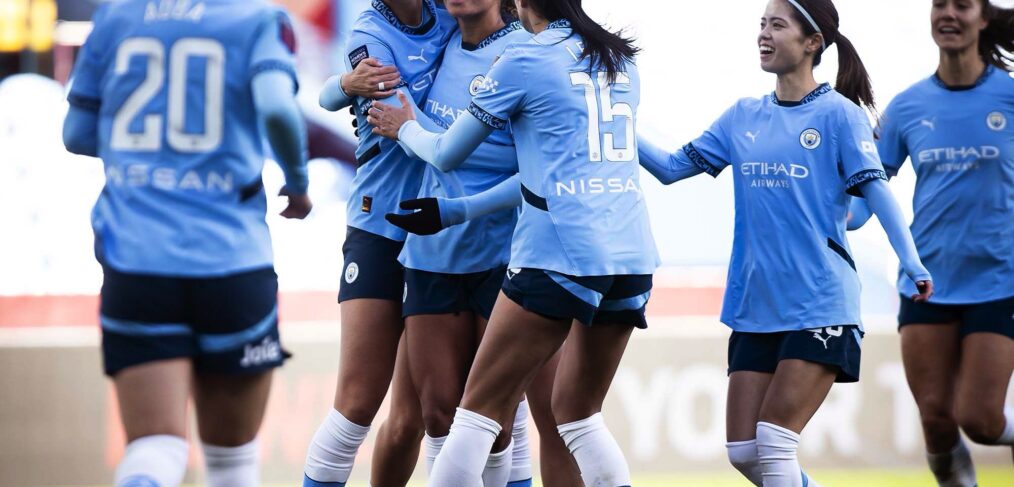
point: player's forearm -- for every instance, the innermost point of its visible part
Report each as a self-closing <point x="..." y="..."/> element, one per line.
<point x="332" y="95"/>
<point x="449" y="150"/>
<point x="283" y="124"/>
<point x="503" y="196"/>
<point x="883" y="204"/>
<point x="666" y="167"/>
<point x="80" y="131"/>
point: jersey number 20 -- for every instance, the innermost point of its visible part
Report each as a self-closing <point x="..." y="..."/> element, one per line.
<point x="602" y="106"/>
<point x="150" y="138"/>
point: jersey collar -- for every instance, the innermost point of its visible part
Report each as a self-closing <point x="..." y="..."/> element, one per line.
<point x="388" y="14"/>
<point x="982" y="79"/>
<point x="821" y="90"/>
<point x="507" y="29"/>
<point x="559" y="24"/>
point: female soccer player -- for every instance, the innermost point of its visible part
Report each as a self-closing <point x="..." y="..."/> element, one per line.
<point x="179" y="226"/>
<point x="957" y="126"/>
<point x="409" y="35"/>
<point x="792" y="297"/>
<point x="573" y="125"/>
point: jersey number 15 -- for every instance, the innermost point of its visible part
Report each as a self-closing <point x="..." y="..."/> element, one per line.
<point x="602" y="106"/>
<point x="150" y="138"/>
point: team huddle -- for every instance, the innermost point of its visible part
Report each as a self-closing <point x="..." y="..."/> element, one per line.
<point x="499" y="254"/>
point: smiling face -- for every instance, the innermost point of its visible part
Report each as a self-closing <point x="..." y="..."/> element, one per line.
<point x="956" y="24"/>
<point x="783" y="44"/>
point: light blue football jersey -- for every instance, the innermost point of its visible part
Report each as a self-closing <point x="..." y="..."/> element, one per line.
<point x="482" y="243"/>
<point x="795" y="166"/>
<point x="386" y="175"/>
<point x="178" y="132"/>
<point x="961" y="143"/>
<point x="585" y="213"/>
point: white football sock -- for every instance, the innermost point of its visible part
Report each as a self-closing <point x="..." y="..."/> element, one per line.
<point x="158" y="459"/>
<point x="432" y="447"/>
<point x="333" y="449"/>
<point x="232" y="466"/>
<point x="776" y="449"/>
<point x="1007" y="437"/>
<point x="498" y="468"/>
<point x="598" y="455"/>
<point x="953" y="468"/>
<point x="466" y="449"/>
<point x="521" y="457"/>
<point x="743" y="456"/>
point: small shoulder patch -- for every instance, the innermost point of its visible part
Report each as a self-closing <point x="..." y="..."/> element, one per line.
<point x="357" y="55"/>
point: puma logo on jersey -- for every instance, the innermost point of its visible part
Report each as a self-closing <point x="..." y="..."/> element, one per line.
<point x="421" y="57"/>
<point x="753" y="135"/>
<point x="931" y="124"/>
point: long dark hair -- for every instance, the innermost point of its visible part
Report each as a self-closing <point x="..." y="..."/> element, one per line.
<point x="853" y="80"/>
<point x="996" y="41"/>
<point x="602" y="48"/>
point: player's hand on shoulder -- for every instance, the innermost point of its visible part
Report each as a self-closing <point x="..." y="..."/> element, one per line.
<point x="299" y="205"/>
<point x="371" y="79"/>
<point x="424" y="218"/>
<point x="388" y="119"/>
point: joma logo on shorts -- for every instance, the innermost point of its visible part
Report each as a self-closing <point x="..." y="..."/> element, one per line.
<point x="268" y="350"/>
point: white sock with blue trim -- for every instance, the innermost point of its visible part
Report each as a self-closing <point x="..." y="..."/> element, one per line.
<point x="232" y="466"/>
<point x="465" y="452"/>
<point x="153" y="460"/>
<point x="598" y="456"/>
<point x="332" y="452"/>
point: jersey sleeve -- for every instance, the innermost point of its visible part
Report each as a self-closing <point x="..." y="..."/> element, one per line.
<point x="890" y="142"/>
<point x="503" y="91"/>
<point x="274" y="48"/>
<point x="857" y="153"/>
<point x="86" y="80"/>
<point x="711" y="151"/>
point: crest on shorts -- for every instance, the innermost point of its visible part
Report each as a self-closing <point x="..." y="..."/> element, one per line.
<point x="809" y="139"/>
<point x="996" y="121"/>
<point x="352" y="273"/>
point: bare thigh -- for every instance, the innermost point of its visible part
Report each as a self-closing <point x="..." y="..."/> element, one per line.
<point x="932" y="378"/>
<point x="987" y="361"/>
<point x="397" y="449"/>
<point x="153" y="398"/>
<point x="441" y="349"/>
<point x="796" y="392"/>
<point x="586" y="370"/>
<point x="742" y="408"/>
<point x="557" y="465"/>
<point x="230" y="408"/>
<point x="370" y="332"/>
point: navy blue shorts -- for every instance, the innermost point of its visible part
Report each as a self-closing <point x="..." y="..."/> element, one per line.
<point x="836" y="346"/>
<point x="992" y="317"/>
<point x="592" y="300"/>
<point x="226" y="325"/>
<point x="432" y="293"/>
<point x="371" y="268"/>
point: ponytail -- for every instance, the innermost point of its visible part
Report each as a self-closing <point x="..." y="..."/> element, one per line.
<point x="853" y="80"/>
<point x="996" y="41"/>
<point x="603" y="49"/>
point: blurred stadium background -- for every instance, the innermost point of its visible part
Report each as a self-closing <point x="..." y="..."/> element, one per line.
<point x="58" y="417"/>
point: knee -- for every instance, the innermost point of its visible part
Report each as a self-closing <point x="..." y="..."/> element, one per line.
<point x="404" y="431"/>
<point x="981" y="425"/>
<point x="437" y="416"/>
<point x="566" y="409"/>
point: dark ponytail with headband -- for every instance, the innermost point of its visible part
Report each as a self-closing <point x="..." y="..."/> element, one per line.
<point x="821" y="17"/>
<point x="996" y="41"/>
<point x="603" y="49"/>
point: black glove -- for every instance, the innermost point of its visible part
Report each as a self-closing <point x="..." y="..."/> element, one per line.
<point x="424" y="221"/>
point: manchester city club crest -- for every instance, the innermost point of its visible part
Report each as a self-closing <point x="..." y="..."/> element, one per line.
<point x="996" y="121"/>
<point x="809" y="139"/>
<point x="476" y="84"/>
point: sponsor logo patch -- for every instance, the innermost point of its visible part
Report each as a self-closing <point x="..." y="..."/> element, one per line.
<point x="357" y="55"/>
